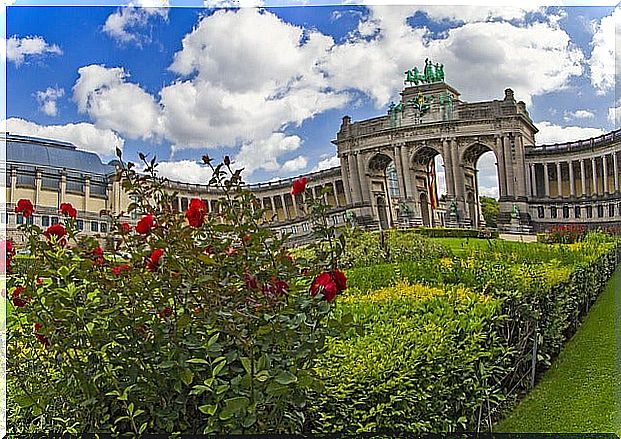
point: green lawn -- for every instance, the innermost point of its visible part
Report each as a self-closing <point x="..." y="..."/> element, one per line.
<point x="578" y="393"/>
<point x="459" y="245"/>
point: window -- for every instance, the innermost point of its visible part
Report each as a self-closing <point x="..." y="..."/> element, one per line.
<point x="600" y="211"/>
<point x="54" y="220"/>
<point x="589" y="211"/>
<point x="305" y="227"/>
<point x="540" y="212"/>
<point x="81" y="224"/>
<point x="103" y="227"/>
<point x="565" y="211"/>
<point x="99" y="187"/>
<point x="294" y="229"/>
<point x="393" y="180"/>
<point x="25" y="179"/>
<point x="553" y="212"/>
<point x="611" y="210"/>
<point x="45" y="221"/>
<point x="577" y="211"/>
<point x="50" y="182"/>
<point x="184" y="204"/>
<point x="20" y="219"/>
<point x="94" y="226"/>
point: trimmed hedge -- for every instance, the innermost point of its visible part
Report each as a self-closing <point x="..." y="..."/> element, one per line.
<point x="422" y="360"/>
<point x="436" y="232"/>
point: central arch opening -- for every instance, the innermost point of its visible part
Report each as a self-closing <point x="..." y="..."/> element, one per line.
<point x="482" y="189"/>
<point x="385" y="191"/>
<point x="429" y="176"/>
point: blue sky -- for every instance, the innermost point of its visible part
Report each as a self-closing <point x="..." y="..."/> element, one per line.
<point x="269" y="86"/>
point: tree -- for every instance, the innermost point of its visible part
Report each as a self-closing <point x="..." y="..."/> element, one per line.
<point x="490" y="209"/>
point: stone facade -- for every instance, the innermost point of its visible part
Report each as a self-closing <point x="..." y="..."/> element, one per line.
<point x="385" y="178"/>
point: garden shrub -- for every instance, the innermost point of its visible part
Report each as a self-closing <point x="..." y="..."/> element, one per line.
<point x="424" y="359"/>
<point x="206" y="326"/>
<point x="437" y="232"/>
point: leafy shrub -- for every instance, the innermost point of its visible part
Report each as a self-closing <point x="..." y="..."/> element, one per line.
<point x="424" y="359"/>
<point x="204" y="327"/>
<point x="437" y="232"/>
<point x="565" y="234"/>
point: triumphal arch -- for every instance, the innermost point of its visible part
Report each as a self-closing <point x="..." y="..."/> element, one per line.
<point x="389" y="160"/>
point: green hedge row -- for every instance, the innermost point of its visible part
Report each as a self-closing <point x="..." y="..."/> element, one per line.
<point x="456" y="233"/>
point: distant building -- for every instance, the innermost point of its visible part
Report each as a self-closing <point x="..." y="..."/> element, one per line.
<point x="386" y="178"/>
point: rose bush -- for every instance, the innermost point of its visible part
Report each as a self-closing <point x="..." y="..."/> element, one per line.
<point x="188" y="323"/>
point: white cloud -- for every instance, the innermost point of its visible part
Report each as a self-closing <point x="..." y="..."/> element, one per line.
<point x="47" y="100"/>
<point x="472" y="13"/>
<point x="327" y="163"/>
<point x="614" y="116"/>
<point x="264" y="154"/>
<point x="488" y="175"/>
<point x="603" y="56"/>
<point x="83" y="135"/>
<point x="127" y="24"/>
<point x="232" y="3"/>
<point x="116" y="104"/>
<point x="294" y="165"/>
<point x="186" y="171"/>
<point x="19" y="49"/>
<point x="583" y="114"/>
<point x="532" y="59"/>
<point x="551" y="133"/>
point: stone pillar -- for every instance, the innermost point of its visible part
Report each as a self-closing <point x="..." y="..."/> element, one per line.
<point x="522" y="181"/>
<point x="337" y="203"/>
<point x="594" y="167"/>
<point x="87" y="192"/>
<point x="615" y="166"/>
<point x="345" y="175"/>
<point x="502" y="168"/>
<point x="583" y="177"/>
<point x="284" y="207"/>
<point x="559" y="180"/>
<point x="13" y="185"/>
<point x="448" y="169"/>
<point x="458" y="171"/>
<point x="399" y="170"/>
<point x="295" y="207"/>
<point x="407" y="175"/>
<point x="546" y="179"/>
<point x="533" y="180"/>
<point x="605" y="169"/>
<point x="572" y="183"/>
<point x="37" y="187"/>
<point x="63" y="188"/>
<point x="355" y="179"/>
<point x="364" y="187"/>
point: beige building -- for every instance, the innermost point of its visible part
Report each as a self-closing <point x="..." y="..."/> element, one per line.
<point x="386" y="177"/>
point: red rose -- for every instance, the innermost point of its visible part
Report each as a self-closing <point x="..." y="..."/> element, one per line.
<point x="98" y="251"/>
<point x="19" y="301"/>
<point x="39" y="281"/>
<point x="340" y="280"/>
<point x="276" y="288"/>
<point x="37" y="326"/>
<point x="154" y="260"/>
<point x="125" y="227"/>
<point x="247" y="237"/>
<point x="120" y="268"/>
<point x="299" y="186"/>
<point x="68" y="209"/>
<point x="24" y="207"/>
<point x="57" y="230"/>
<point x="209" y="250"/>
<point x="42" y="339"/>
<point x="145" y="225"/>
<point x="196" y="212"/>
<point x="329" y="283"/>
<point x="166" y="312"/>
<point x="7" y="246"/>
<point x="250" y="282"/>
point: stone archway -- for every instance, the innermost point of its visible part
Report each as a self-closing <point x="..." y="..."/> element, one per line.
<point x="384" y="186"/>
<point x="427" y="178"/>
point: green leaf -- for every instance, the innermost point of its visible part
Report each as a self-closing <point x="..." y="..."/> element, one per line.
<point x="249" y="420"/>
<point x="208" y="409"/>
<point x="237" y="404"/>
<point x="197" y="361"/>
<point x="285" y="378"/>
<point x="187" y="376"/>
<point x="247" y="365"/>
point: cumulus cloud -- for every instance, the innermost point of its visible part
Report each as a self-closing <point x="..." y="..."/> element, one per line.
<point x="327" y="163"/>
<point x="614" y="115"/>
<point x="83" y="135"/>
<point x="603" y="56"/>
<point x="232" y="3"/>
<point x="113" y="103"/>
<point x="264" y="153"/>
<point x="472" y="13"/>
<point x="294" y="165"/>
<point x="19" y="50"/>
<point x="47" y="100"/>
<point x="127" y="24"/>
<point x="186" y="171"/>
<point x="551" y="133"/>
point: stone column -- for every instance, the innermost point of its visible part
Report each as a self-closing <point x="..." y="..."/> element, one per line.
<point x="572" y="183"/>
<point x="448" y="169"/>
<point x="337" y="203"/>
<point x="458" y="171"/>
<point x="533" y="180"/>
<point x="63" y="188"/>
<point x="295" y="207"/>
<point x="594" y="167"/>
<point x="559" y="180"/>
<point x="355" y="180"/>
<point x="364" y="187"/>
<point x="399" y="169"/>
<point x="13" y="185"/>
<point x="546" y="179"/>
<point x="502" y="169"/>
<point x="583" y="177"/>
<point x="345" y="175"/>
<point x="407" y="175"/>
<point x="284" y="207"/>
<point x="87" y="192"/>
<point x="605" y="169"/>
<point x="273" y="206"/>
<point x="522" y="181"/>
<point x="37" y="187"/>
<point x="615" y="166"/>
